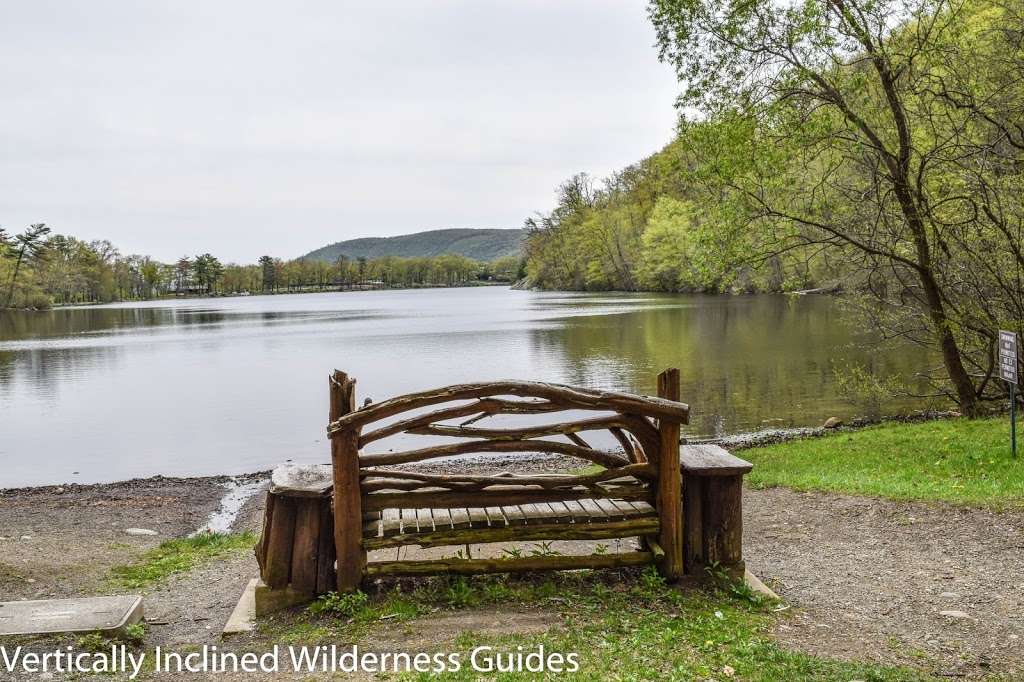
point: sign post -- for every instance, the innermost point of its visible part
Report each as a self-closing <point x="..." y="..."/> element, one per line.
<point x="1008" y="371"/>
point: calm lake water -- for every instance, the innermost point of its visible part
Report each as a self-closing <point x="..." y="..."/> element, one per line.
<point x="213" y="386"/>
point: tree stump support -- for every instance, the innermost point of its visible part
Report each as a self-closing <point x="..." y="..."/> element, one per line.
<point x="713" y="509"/>
<point x="296" y="553"/>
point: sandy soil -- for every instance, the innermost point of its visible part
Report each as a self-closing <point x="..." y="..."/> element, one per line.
<point x="869" y="579"/>
<point x="862" y="578"/>
<point x="59" y="541"/>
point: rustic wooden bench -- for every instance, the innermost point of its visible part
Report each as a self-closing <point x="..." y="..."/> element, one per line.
<point x="684" y="506"/>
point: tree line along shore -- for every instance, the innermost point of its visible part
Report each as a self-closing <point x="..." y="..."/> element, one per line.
<point x="39" y="269"/>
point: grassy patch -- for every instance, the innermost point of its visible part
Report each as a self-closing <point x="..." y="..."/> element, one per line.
<point x="958" y="460"/>
<point x="587" y="470"/>
<point x="623" y="626"/>
<point x="179" y="556"/>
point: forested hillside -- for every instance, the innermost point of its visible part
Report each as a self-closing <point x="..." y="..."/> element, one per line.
<point x="656" y="226"/>
<point x="482" y="245"/>
<point x="879" y="144"/>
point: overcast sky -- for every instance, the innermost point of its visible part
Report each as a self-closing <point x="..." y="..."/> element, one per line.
<point x="244" y="127"/>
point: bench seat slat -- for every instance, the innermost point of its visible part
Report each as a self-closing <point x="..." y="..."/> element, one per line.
<point x="424" y="520"/>
<point x="391" y="522"/>
<point x="514" y="515"/>
<point x="460" y="517"/>
<point x="409" y="524"/>
<point x="626" y="509"/>
<point x="495" y="517"/>
<point x="643" y="509"/>
<point x="610" y="510"/>
<point x="579" y="514"/>
<point x="549" y="515"/>
<point x="533" y="513"/>
<point x="414" y="522"/>
<point x="563" y="512"/>
<point x="594" y="510"/>
<point x="442" y="519"/>
<point x="477" y="517"/>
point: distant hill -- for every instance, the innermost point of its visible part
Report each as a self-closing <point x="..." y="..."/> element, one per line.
<point x="483" y="245"/>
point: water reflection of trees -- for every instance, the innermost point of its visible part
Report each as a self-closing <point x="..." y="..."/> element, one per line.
<point x="746" y="361"/>
<point x="47" y="369"/>
<point x="44" y="366"/>
<point x="19" y="325"/>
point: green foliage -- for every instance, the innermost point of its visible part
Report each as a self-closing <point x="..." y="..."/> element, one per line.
<point x="666" y="259"/>
<point x="863" y="388"/>
<point x="958" y="460"/>
<point x="179" y="556"/>
<point x="335" y="604"/>
<point x="543" y="549"/>
<point x="480" y="245"/>
<point x="458" y="593"/>
<point x="651" y="584"/>
<point x="207" y="271"/>
<point x="92" y="641"/>
<point x="653" y="227"/>
<point x="134" y="633"/>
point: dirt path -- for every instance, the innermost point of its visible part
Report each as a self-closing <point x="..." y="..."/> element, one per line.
<point x="867" y="579"/>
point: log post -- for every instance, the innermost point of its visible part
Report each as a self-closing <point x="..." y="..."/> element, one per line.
<point x="713" y="492"/>
<point x="694" y="559"/>
<point x="348" y="514"/>
<point x="294" y="547"/>
<point x="669" y="498"/>
<point x="723" y="516"/>
<point x="280" y="538"/>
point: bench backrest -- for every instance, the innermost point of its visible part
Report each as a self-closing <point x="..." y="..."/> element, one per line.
<point x="645" y="428"/>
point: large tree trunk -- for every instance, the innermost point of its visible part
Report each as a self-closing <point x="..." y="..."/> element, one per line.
<point x="967" y="397"/>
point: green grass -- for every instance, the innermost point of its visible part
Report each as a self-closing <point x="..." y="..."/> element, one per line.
<point x="179" y="556"/>
<point x="958" y="460"/>
<point x="623" y="626"/>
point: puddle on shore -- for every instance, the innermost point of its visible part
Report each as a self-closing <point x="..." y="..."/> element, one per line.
<point x="236" y="496"/>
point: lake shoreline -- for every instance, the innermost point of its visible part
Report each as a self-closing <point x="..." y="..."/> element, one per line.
<point x="331" y="290"/>
<point x="515" y="286"/>
<point x="522" y="463"/>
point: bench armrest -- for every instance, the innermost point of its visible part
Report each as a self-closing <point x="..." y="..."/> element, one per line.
<point x="302" y="480"/>
<point x="711" y="460"/>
